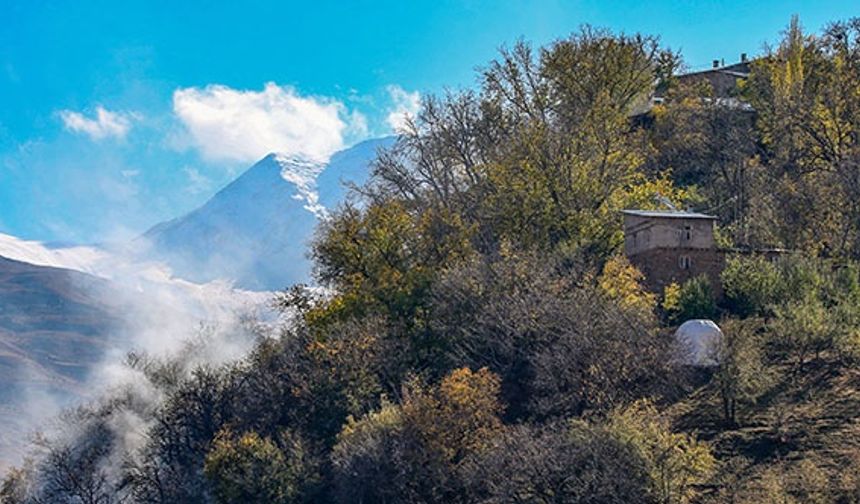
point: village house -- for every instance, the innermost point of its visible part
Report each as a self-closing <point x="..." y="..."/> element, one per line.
<point x="672" y="247"/>
<point x="722" y="78"/>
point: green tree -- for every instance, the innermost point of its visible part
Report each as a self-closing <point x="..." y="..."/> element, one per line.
<point x="804" y="329"/>
<point x="751" y="285"/>
<point x="676" y="462"/>
<point x="741" y="372"/>
<point x="249" y="468"/>
<point x="695" y="300"/>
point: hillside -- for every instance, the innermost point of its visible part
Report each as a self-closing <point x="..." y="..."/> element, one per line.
<point x="54" y="328"/>
<point x="804" y="426"/>
<point x="486" y="333"/>
<point x="54" y="325"/>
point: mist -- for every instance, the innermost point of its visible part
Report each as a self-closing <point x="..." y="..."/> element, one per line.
<point x="154" y="316"/>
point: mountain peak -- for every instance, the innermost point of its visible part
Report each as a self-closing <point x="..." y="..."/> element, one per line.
<point x="256" y="231"/>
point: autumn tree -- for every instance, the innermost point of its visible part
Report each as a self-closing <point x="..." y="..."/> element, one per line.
<point x="676" y="462"/>
<point x="249" y="468"/>
<point x="413" y="451"/>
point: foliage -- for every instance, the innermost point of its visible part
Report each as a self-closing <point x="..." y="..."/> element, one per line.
<point x="559" y="462"/>
<point x="752" y="285"/>
<point x="695" y="300"/>
<point x="622" y="282"/>
<point x="560" y="349"/>
<point x="249" y="468"/>
<point x="675" y="462"/>
<point x="413" y="452"/>
<point x="804" y="328"/>
<point x="671" y="299"/>
<point x="458" y="417"/>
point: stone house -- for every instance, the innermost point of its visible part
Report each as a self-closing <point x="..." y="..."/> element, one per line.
<point x="672" y="246"/>
<point x="722" y="78"/>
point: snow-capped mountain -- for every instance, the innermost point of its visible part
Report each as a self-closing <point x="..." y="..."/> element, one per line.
<point x="256" y="231"/>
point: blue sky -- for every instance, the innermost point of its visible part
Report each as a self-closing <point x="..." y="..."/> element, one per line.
<point x="117" y="115"/>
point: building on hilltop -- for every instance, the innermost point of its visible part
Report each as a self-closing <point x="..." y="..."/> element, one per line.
<point x="672" y="246"/>
<point x="722" y="78"/>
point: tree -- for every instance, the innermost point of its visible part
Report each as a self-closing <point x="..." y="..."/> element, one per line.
<point x="413" y="452"/>
<point x="622" y="283"/>
<point x="741" y="373"/>
<point x="708" y="144"/>
<point x="561" y="348"/>
<point x="676" y="463"/>
<point x="804" y="328"/>
<point x="751" y="286"/>
<point x="805" y="95"/>
<point x="458" y="417"/>
<point x="371" y="460"/>
<point x="249" y="468"/>
<point x="695" y="300"/>
<point x="557" y="463"/>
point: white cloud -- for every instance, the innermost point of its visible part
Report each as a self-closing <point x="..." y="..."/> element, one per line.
<point x="357" y="125"/>
<point x="405" y="105"/>
<point x="197" y="182"/>
<point x="239" y="125"/>
<point x="105" y="124"/>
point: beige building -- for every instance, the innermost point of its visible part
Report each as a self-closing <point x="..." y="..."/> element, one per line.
<point x="672" y="246"/>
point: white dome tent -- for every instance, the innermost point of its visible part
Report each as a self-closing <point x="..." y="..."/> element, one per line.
<point x="699" y="339"/>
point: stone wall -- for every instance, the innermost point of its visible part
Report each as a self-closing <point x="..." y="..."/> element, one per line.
<point x="662" y="266"/>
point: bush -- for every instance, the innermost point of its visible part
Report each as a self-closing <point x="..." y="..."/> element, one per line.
<point x="558" y="463"/>
<point x="751" y="285"/>
<point x="695" y="300"/>
<point x="413" y="452"/>
<point x="676" y="463"/>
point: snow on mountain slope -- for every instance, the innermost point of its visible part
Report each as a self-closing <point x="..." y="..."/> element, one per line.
<point x="32" y="252"/>
<point x="256" y="232"/>
<point x="350" y="166"/>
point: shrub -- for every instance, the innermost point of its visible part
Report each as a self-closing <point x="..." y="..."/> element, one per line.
<point x="750" y="285"/>
<point x="695" y="301"/>
<point x="676" y="463"/>
<point x="559" y="463"/>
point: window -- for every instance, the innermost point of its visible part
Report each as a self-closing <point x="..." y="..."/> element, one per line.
<point x="684" y="262"/>
<point x="688" y="232"/>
